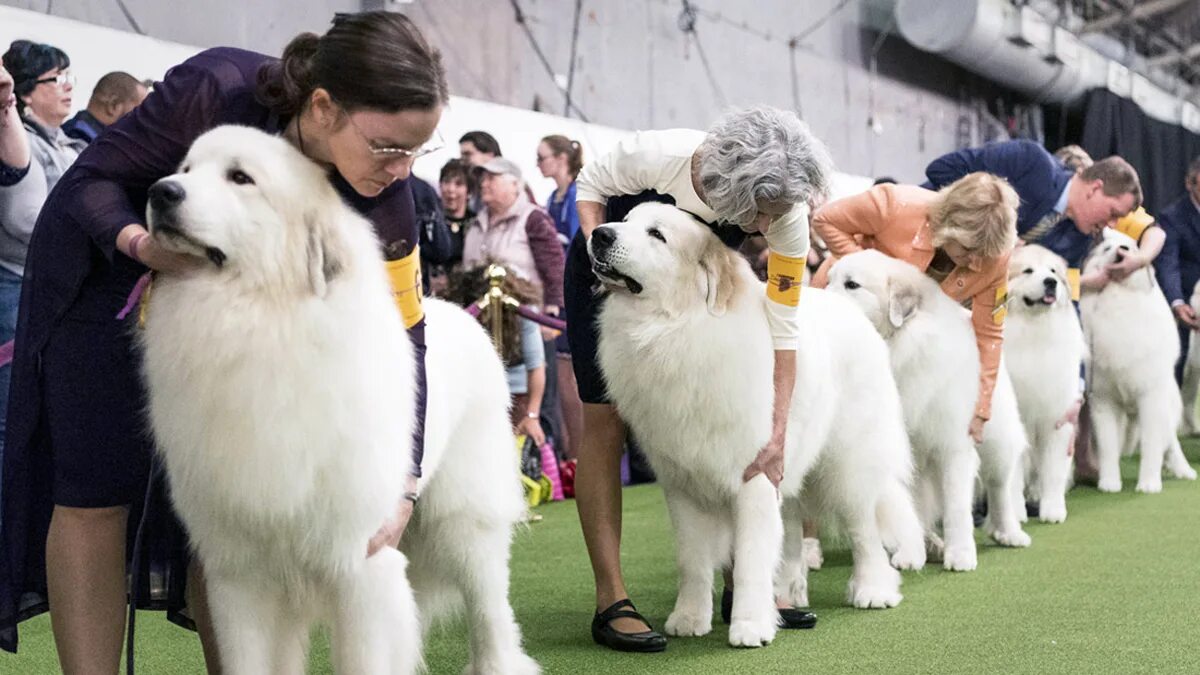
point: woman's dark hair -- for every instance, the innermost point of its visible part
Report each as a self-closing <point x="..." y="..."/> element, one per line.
<point x="27" y="61"/>
<point x="374" y="60"/>
<point x="456" y="169"/>
<point x="465" y="286"/>
<point x="483" y="142"/>
<point x="561" y="145"/>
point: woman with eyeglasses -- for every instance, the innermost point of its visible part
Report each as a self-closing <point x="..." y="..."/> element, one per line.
<point x="35" y="99"/>
<point x="363" y="100"/>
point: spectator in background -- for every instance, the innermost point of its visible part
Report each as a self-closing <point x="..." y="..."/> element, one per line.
<point x="1178" y="268"/>
<point x="560" y="158"/>
<point x="516" y="233"/>
<point x="477" y="148"/>
<point x="35" y="97"/>
<point x="456" y="185"/>
<point x="1073" y="157"/>
<point x="115" y="94"/>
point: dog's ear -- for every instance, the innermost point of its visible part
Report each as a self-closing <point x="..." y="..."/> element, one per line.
<point x="325" y="255"/>
<point x="903" y="301"/>
<point x="720" y="273"/>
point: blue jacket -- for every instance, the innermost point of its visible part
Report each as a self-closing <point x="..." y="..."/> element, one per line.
<point x="1178" y="266"/>
<point x="1034" y="173"/>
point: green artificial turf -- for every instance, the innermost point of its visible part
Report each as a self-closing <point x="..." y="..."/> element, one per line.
<point x="1114" y="589"/>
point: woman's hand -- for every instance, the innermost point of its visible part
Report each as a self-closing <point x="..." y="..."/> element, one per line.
<point x="1095" y="281"/>
<point x="159" y="259"/>
<point x="1071" y="416"/>
<point x="976" y="430"/>
<point x="7" y="98"/>
<point x="391" y="531"/>
<point x="1128" y="264"/>
<point x="769" y="462"/>
<point x="532" y="427"/>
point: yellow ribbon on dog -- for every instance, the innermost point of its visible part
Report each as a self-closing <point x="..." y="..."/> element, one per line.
<point x="784" y="275"/>
<point x="1000" y="309"/>
<point x="405" y="275"/>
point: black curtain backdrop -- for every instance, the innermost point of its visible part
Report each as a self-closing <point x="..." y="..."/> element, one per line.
<point x="1159" y="151"/>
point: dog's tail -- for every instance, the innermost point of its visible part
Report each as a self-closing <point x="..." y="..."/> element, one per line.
<point x="899" y="526"/>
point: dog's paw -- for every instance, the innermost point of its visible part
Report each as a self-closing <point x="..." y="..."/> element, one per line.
<point x="1017" y="538"/>
<point x="748" y="633"/>
<point x="1109" y="485"/>
<point x="1052" y="512"/>
<point x="960" y="559"/>
<point x="1150" y="485"/>
<point x="688" y="624"/>
<point x="813" y="558"/>
<point x="507" y="664"/>
<point x="909" y="558"/>
<point x="875" y="590"/>
<point x="1183" y="472"/>
<point x="793" y="587"/>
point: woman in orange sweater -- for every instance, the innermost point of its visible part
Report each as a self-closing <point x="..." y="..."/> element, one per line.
<point x="961" y="236"/>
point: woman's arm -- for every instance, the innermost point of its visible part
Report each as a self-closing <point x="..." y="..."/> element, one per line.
<point x="839" y="221"/>
<point x="547" y="256"/>
<point x="988" y="310"/>
<point x="14" y="141"/>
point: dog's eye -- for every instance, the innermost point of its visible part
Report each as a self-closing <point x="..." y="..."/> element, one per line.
<point x="239" y="177"/>
<point x="852" y="285"/>
<point x="1028" y="270"/>
<point x="657" y="234"/>
<point x="1123" y="248"/>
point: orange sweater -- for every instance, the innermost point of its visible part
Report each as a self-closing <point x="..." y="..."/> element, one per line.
<point x="894" y="219"/>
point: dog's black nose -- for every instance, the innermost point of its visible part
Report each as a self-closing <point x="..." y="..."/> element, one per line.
<point x="166" y="193"/>
<point x="603" y="237"/>
<point x="1050" y="283"/>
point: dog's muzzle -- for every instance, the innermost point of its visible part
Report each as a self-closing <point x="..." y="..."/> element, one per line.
<point x="164" y="198"/>
<point x="1049" y="296"/>
<point x="600" y="247"/>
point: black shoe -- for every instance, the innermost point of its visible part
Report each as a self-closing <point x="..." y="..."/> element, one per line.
<point x="604" y="634"/>
<point x="789" y="617"/>
<point x="1033" y="509"/>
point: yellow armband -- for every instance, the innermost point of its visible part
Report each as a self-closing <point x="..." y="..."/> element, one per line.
<point x="784" y="275"/>
<point x="1000" y="309"/>
<point x="1073" y="281"/>
<point x="405" y="275"/>
<point x="1135" y="224"/>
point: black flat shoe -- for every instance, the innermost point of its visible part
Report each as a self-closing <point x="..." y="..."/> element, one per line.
<point x="604" y="634"/>
<point x="790" y="617"/>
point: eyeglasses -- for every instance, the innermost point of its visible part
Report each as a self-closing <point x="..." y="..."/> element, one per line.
<point x="389" y="153"/>
<point x="542" y="158"/>
<point x="62" y="79"/>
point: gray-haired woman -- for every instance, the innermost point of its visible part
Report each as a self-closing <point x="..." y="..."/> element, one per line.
<point x="754" y="171"/>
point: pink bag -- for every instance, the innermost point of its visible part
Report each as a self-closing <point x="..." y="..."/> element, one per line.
<point x="550" y="469"/>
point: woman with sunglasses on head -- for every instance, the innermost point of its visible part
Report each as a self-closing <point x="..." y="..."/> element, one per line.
<point x="363" y="100"/>
<point x="35" y="98"/>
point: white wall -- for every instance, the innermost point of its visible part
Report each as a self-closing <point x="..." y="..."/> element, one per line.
<point x="96" y="50"/>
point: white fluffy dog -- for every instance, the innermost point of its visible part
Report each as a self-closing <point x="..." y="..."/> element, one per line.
<point x="282" y="386"/>
<point x="1191" y="374"/>
<point x="687" y="357"/>
<point x="935" y="361"/>
<point x="1043" y="347"/>
<point x="1133" y="344"/>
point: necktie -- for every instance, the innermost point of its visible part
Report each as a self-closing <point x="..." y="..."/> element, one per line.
<point x="1047" y="223"/>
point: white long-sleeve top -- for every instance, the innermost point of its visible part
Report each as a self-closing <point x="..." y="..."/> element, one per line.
<point x="662" y="161"/>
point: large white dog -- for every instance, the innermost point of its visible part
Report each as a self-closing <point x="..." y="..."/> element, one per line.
<point x="1043" y="347"/>
<point x="1133" y="344"/>
<point x="282" y="387"/>
<point x="686" y="354"/>
<point x="936" y="364"/>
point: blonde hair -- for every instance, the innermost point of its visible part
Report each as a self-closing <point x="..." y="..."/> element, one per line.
<point x="979" y="213"/>
<point x="1074" y="157"/>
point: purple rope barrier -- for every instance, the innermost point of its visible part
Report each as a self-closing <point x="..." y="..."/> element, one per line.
<point x="473" y="309"/>
<point x="537" y="317"/>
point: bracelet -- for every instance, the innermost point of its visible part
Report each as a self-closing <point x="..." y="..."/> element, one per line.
<point x="134" y="244"/>
<point x="533" y="415"/>
<point x="411" y="496"/>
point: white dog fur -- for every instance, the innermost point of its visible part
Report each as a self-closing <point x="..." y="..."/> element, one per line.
<point x="281" y="382"/>
<point x="1043" y="347"/>
<point x="687" y="357"/>
<point x="1133" y="346"/>
<point x="935" y="361"/>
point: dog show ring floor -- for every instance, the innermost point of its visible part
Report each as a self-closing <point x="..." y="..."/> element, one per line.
<point x="1113" y="589"/>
